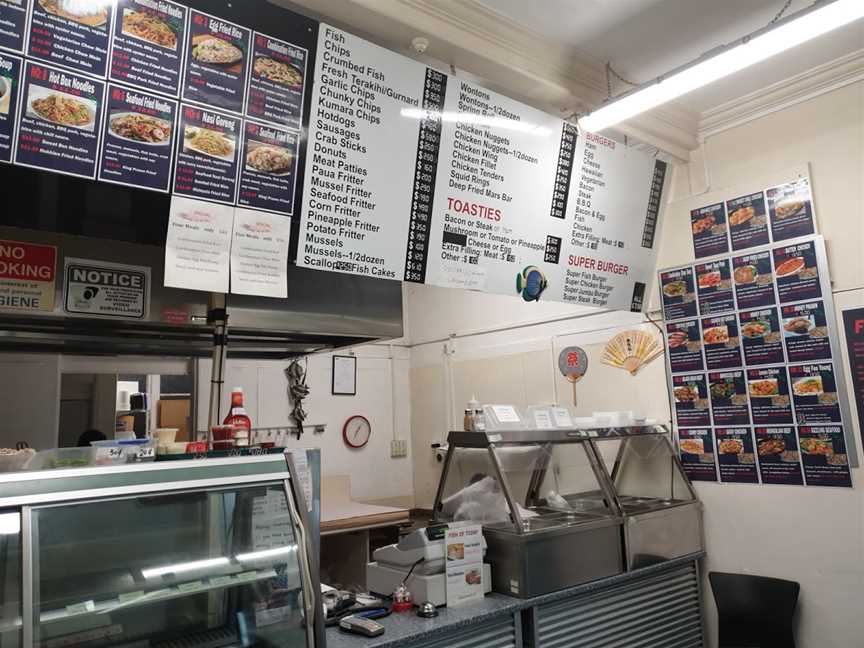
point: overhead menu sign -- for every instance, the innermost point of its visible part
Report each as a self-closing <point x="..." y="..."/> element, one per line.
<point x="13" y="24"/>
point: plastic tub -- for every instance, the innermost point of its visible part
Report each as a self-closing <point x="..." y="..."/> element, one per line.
<point x="63" y="458"/>
<point x="15" y="460"/>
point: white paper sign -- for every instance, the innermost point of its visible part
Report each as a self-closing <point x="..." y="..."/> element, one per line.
<point x="259" y="253"/>
<point x="198" y="246"/>
<point x="506" y="413"/>
<point x="109" y="290"/>
<point x="464" y="565"/>
<point x="543" y="419"/>
<point x="562" y="417"/>
<point x="301" y="464"/>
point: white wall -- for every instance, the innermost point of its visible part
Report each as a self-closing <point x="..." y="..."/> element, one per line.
<point x="30" y="388"/>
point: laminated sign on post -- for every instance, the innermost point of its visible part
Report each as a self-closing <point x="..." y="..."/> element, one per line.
<point x="27" y="275"/>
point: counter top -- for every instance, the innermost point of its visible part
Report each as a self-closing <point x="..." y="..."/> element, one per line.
<point x="401" y="628"/>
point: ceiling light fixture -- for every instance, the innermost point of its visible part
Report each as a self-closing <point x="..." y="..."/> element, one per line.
<point x="819" y="19"/>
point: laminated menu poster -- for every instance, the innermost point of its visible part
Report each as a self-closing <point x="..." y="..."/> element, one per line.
<point x="710" y="236"/>
<point x="198" y="245"/>
<point x="797" y="270"/>
<point x="722" y="341"/>
<point x="277" y="78"/>
<point x="690" y="392"/>
<point x="770" y="401"/>
<point x="754" y="280"/>
<point x="464" y="566"/>
<point x="805" y="332"/>
<point x="217" y="62"/>
<point x="697" y="454"/>
<point x="684" y="340"/>
<point x="729" y="403"/>
<point x="779" y="457"/>
<point x="814" y="390"/>
<point x="60" y="121"/>
<point x="761" y="336"/>
<point x="259" y="254"/>
<point x="678" y="292"/>
<point x="13" y="24"/>
<point x="748" y="221"/>
<point x="10" y="89"/>
<point x="207" y="154"/>
<point x="714" y="285"/>
<point x="790" y="207"/>
<point x="148" y="44"/>
<point x="735" y="455"/>
<point x="823" y="453"/>
<point x="72" y="33"/>
<point x="268" y="170"/>
<point x="138" y="139"/>
<point x="853" y="323"/>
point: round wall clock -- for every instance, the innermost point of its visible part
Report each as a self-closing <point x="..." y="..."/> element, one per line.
<point x="356" y="431"/>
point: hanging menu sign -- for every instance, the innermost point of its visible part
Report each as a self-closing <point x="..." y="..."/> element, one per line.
<point x="708" y="225"/>
<point x="779" y="457"/>
<point x="198" y="245"/>
<point x="13" y="24"/>
<point x="72" y="34"/>
<point x="805" y="332"/>
<point x="207" y="155"/>
<point x="259" y="254"/>
<point x="138" y="139"/>
<point x="217" y="53"/>
<point x="770" y="400"/>
<point x="60" y="121"/>
<point x="714" y="283"/>
<point x="691" y="400"/>
<point x="10" y="86"/>
<point x="797" y="270"/>
<point x="722" y="342"/>
<point x="823" y="453"/>
<point x="748" y="221"/>
<point x="684" y="340"/>
<point x="814" y="389"/>
<point x="148" y="44"/>
<point x="277" y="78"/>
<point x="754" y="280"/>
<point x="697" y="454"/>
<point x="358" y="190"/>
<point x="268" y="172"/>
<point x="760" y="331"/>
<point x="729" y="398"/>
<point x="790" y="207"/>
<point x="678" y="291"/>
<point x="735" y="455"/>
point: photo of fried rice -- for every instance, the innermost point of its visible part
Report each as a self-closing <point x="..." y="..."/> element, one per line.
<point x="265" y="158"/>
<point x="277" y="72"/>
<point x="216" y="51"/>
<point x="147" y="27"/>
<point x="141" y="128"/>
<point x="208" y="142"/>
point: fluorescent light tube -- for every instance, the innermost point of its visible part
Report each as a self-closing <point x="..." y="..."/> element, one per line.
<point x="179" y="568"/>
<point x="786" y="34"/>
<point x="266" y="553"/>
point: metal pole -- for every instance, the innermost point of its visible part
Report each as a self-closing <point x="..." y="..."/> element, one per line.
<point x="218" y="316"/>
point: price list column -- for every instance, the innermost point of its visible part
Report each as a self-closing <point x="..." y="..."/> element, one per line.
<point x="425" y="172"/>
<point x="654" y="196"/>
<point x="564" y="172"/>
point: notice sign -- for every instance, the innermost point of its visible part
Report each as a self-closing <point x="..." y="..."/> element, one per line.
<point x="10" y="79"/>
<point x="259" y="254"/>
<point x="110" y="290"/>
<point x="853" y="323"/>
<point x="464" y="565"/>
<point x="74" y="34"/>
<point x="27" y="274"/>
<point x="198" y="246"/>
<point x="13" y="23"/>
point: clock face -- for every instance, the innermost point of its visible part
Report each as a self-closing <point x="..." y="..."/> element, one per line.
<point x="357" y="431"/>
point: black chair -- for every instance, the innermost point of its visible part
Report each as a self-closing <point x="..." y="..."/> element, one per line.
<point x="754" y="611"/>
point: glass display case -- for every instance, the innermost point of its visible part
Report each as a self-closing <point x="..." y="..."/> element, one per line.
<point x="560" y="507"/>
<point x="190" y="553"/>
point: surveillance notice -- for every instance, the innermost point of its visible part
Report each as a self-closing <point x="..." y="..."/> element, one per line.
<point x="109" y="290"/>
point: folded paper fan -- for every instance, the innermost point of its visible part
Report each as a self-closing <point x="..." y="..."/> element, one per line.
<point x="632" y="350"/>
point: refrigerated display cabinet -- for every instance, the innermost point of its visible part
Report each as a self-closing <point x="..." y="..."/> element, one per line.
<point x="214" y="552"/>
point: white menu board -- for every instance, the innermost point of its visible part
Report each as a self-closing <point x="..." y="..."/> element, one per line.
<point x="360" y="158"/>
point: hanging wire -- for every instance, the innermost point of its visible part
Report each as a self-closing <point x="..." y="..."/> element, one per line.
<point x="782" y="11"/>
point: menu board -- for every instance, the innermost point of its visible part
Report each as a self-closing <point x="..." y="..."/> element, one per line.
<point x="268" y="172"/>
<point x="207" y="155"/>
<point x="853" y="323"/>
<point x="147" y="50"/>
<point x="60" y="121"/>
<point x="13" y="24"/>
<point x="72" y="34"/>
<point x="790" y="206"/>
<point x="710" y="234"/>
<point x="217" y="62"/>
<point x="277" y="78"/>
<point x="697" y="454"/>
<point x="824" y="455"/>
<point x="770" y="358"/>
<point x="748" y="221"/>
<point x="138" y="139"/>
<point x="10" y="84"/>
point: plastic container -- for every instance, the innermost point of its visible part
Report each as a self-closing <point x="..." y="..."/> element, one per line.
<point x="222" y="433"/>
<point x="16" y="460"/>
<point x="63" y="458"/>
<point x="165" y="436"/>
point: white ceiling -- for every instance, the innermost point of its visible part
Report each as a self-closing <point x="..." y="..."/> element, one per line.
<point x="645" y="38"/>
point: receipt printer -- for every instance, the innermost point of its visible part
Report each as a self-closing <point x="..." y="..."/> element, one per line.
<point x="424" y="551"/>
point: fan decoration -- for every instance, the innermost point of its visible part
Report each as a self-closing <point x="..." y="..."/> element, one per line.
<point x="573" y="363"/>
<point x="632" y="350"/>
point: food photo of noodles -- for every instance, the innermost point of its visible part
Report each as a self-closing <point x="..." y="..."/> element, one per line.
<point x="61" y="109"/>
<point x="141" y="128"/>
<point x="209" y="142"/>
<point x="150" y="28"/>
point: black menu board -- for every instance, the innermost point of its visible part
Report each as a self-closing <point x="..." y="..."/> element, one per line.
<point x="814" y="390"/>
<point x="762" y="340"/>
<point x="138" y="139"/>
<point x="748" y="221"/>
<point x="770" y="401"/>
<point x="277" y="78"/>
<point x="13" y="24"/>
<point x="735" y="455"/>
<point x="10" y="86"/>
<point x="697" y="454"/>
<point x="779" y="457"/>
<point x="714" y="285"/>
<point x="853" y="323"/>
<point x="796" y="268"/>
<point x="217" y="62"/>
<point x="690" y="392"/>
<point x="60" y="121"/>
<point x="678" y="290"/>
<point x="790" y="207"/>
<point x="805" y="332"/>
<point x="823" y="453"/>
<point x="722" y="341"/>
<point x="684" y="340"/>
<point x="148" y="44"/>
<point x="708" y="225"/>
<point x="268" y="173"/>
<point x="72" y="34"/>
<point x="753" y="277"/>
<point x="207" y="154"/>
<point x="729" y="403"/>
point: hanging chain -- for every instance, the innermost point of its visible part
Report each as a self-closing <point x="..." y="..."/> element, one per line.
<point x="782" y="11"/>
